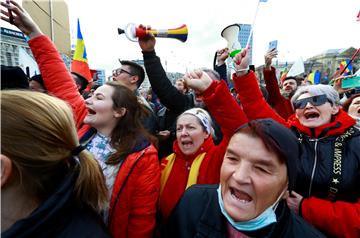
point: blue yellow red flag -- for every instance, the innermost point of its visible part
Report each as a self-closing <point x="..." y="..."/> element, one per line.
<point x="80" y="62"/>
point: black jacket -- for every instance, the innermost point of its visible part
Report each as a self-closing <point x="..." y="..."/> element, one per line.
<point x="198" y="215"/>
<point x="59" y="216"/>
<point x="320" y="166"/>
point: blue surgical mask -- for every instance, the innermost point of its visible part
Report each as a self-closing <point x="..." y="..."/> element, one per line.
<point x="264" y="219"/>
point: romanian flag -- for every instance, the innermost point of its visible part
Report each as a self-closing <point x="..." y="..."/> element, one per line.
<point x="343" y="65"/>
<point x="80" y="62"/>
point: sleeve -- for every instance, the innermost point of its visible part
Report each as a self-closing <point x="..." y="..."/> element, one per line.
<point x="227" y="113"/>
<point x="169" y="96"/>
<point x="222" y="105"/>
<point x="272" y="86"/>
<point x="338" y="219"/>
<point x="251" y="99"/>
<point x="221" y="69"/>
<point x="57" y="79"/>
<point x="142" y="217"/>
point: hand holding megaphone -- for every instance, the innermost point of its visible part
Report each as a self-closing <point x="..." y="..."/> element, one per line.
<point x="242" y="61"/>
<point x="133" y="33"/>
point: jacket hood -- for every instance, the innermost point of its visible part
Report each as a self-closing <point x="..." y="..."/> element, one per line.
<point x="338" y="126"/>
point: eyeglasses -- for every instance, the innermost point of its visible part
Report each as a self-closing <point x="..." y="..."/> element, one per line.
<point x="117" y="72"/>
<point x="315" y="101"/>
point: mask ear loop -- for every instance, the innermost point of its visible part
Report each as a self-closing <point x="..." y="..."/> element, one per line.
<point x="274" y="206"/>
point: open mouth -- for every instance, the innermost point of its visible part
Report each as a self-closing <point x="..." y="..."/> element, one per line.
<point x="92" y="112"/>
<point x="311" y="115"/>
<point x="187" y="144"/>
<point x="240" y="195"/>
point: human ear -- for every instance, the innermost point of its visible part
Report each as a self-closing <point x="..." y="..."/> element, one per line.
<point x="334" y="109"/>
<point x="6" y="169"/>
<point x="119" y="112"/>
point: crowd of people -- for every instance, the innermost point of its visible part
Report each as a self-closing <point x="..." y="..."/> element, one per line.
<point x="197" y="159"/>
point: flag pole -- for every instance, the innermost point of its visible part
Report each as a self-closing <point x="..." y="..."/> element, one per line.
<point x="347" y="65"/>
<point x="352" y="58"/>
<point x="252" y="25"/>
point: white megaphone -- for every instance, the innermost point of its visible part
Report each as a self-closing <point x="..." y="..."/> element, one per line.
<point x="231" y="35"/>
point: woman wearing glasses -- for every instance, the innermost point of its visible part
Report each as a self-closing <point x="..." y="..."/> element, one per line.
<point x="327" y="192"/>
<point x="109" y="125"/>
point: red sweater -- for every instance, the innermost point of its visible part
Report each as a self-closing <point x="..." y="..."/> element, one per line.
<point x="135" y="209"/>
<point x="229" y="116"/>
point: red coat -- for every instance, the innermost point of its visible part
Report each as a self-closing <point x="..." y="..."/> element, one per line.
<point x="339" y="219"/>
<point x="229" y="116"/>
<point x="134" y="209"/>
<point x="280" y="104"/>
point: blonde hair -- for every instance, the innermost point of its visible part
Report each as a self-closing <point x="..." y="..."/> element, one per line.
<point x="38" y="134"/>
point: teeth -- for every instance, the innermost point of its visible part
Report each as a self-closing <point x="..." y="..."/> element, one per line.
<point x="240" y="200"/>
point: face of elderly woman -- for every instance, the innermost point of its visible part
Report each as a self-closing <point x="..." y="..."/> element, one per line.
<point x="316" y="112"/>
<point x="190" y="134"/>
<point x="252" y="178"/>
<point x="354" y="108"/>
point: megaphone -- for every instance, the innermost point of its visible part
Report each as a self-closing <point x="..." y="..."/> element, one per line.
<point x="231" y="35"/>
<point x="133" y="33"/>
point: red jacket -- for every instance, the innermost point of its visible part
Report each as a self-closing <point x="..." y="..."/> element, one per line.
<point x="134" y="208"/>
<point x="229" y="116"/>
<point x="339" y="218"/>
<point x="280" y="104"/>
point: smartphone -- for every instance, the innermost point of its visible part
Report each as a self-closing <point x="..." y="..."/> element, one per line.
<point x="352" y="82"/>
<point x="273" y="45"/>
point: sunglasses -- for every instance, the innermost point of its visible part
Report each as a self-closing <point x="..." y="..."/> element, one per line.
<point x="315" y="101"/>
<point x="117" y="72"/>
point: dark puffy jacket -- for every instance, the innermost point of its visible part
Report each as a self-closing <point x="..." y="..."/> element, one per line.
<point x="205" y="219"/>
<point x="331" y="195"/>
<point x="59" y="216"/>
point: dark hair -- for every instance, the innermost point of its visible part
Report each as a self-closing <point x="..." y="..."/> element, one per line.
<point x="255" y="129"/>
<point x="135" y="69"/>
<point x="129" y="129"/>
<point x="80" y="80"/>
<point x="347" y="103"/>
<point x="297" y="80"/>
<point x="279" y="140"/>
<point x="38" y="78"/>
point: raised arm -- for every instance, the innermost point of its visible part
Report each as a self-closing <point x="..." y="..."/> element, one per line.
<point x="218" y="100"/>
<point x="254" y="104"/>
<point x="220" y="65"/>
<point x="169" y="96"/>
<point x="270" y="78"/>
<point x="57" y="79"/>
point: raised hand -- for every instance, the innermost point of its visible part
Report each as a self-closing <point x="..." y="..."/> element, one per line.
<point x="198" y="81"/>
<point x="20" y="18"/>
<point x="147" y="43"/>
<point x="242" y="61"/>
<point x="269" y="56"/>
<point x="221" y="56"/>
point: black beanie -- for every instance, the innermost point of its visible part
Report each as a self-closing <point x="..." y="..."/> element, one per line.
<point x="13" y="77"/>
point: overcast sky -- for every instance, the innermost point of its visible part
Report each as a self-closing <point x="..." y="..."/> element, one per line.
<point x="302" y="27"/>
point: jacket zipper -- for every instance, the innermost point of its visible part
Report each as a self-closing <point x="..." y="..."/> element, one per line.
<point x="314" y="167"/>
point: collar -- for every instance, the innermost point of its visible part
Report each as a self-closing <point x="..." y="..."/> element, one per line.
<point x="338" y="126"/>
